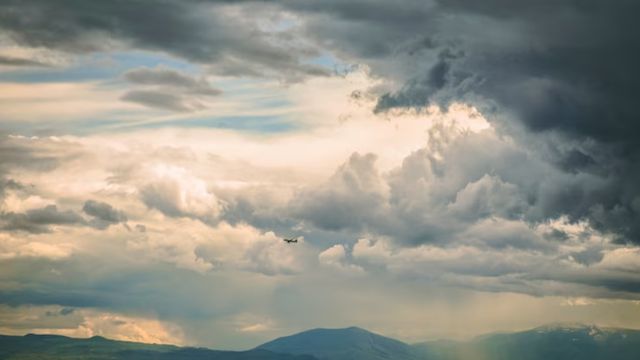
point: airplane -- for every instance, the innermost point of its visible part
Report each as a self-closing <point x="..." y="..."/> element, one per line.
<point x="289" y="241"/>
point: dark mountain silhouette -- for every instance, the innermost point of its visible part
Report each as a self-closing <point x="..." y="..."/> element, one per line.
<point x="50" y="347"/>
<point x="558" y="342"/>
<point x="343" y="344"/>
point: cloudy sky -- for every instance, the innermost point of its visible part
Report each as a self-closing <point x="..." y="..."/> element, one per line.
<point x="451" y="167"/>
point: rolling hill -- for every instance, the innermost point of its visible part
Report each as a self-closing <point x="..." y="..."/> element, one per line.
<point x="54" y="347"/>
<point x="559" y="342"/>
<point x="343" y="344"/>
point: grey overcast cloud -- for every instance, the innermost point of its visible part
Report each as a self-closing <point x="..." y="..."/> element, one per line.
<point x="450" y="168"/>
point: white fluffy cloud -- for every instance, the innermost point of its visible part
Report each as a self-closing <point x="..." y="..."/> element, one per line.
<point x="466" y="195"/>
<point x="87" y="323"/>
<point x="174" y="192"/>
<point x="336" y="257"/>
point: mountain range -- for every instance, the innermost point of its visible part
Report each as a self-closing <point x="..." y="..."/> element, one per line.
<point x="545" y="343"/>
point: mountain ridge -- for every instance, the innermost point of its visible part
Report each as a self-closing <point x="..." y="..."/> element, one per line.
<point x="59" y="347"/>
<point x="350" y="343"/>
<point x="549" y="342"/>
<point x="560" y="341"/>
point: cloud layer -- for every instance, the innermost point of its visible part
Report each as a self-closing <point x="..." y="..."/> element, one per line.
<point x="153" y="155"/>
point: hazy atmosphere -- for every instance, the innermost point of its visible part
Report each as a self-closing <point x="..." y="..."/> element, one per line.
<point x="450" y="168"/>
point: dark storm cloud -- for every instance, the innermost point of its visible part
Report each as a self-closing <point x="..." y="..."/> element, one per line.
<point x="438" y="84"/>
<point x="575" y="73"/>
<point x="15" y="61"/>
<point x="103" y="214"/>
<point x="39" y="220"/>
<point x="367" y="29"/>
<point x="558" y="64"/>
<point x="198" y="31"/>
<point x="559" y="76"/>
<point x="562" y="65"/>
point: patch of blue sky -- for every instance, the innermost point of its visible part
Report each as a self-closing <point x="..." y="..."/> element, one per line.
<point x="331" y="62"/>
<point x="68" y="127"/>
<point x="274" y="103"/>
<point x="119" y="121"/>
<point x="258" y="93"/>
<point x="285" y="24"/>
<point x="96" y="67"/>
<point x="264" y="101"/>
<point x="242" y="86"/>
<point x="326" y="60"/>
<point x="255" y="124"/>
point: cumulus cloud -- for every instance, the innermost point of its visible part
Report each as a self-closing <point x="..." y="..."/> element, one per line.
<point x="489" y="196"/>
<point x="333" y="256"/>
<point x="349" y="199"/>
<point x="454" y="184"/>
<point x="512" y="269"/>
<point x="336" y="257"/>
<point x="246" y="248"/>
<point x="103" y="214"/>
<point x="446" y="212"/>
<point x="174" y="192"/>
<point x="567" y="97"/>
<point x="86" y="323"/>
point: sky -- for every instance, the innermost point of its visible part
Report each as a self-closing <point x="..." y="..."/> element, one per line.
<point x="450" y="167"/>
